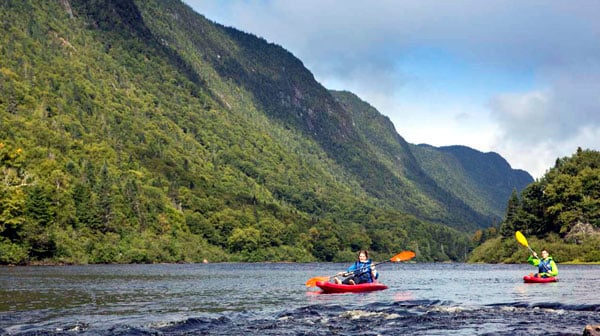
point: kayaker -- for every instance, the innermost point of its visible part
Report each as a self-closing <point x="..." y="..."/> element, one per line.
<point x="546" y="265"/>
<point x="362" y="271"/>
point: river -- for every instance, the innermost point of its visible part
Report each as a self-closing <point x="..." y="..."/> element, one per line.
<point x="271" y="299"/>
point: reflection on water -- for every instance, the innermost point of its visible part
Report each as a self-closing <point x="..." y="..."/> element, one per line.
<point x="272" y="299"/>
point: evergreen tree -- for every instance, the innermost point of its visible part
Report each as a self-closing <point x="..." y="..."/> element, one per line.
<point x="85" y="206"/>
<point x="104" y="205"/>
<point x="40" y="215"/>
<point x="508" y="226"/>
<point x="38" y="207"/>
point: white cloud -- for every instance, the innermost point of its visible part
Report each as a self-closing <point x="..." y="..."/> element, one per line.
<point x="539" y="126"/>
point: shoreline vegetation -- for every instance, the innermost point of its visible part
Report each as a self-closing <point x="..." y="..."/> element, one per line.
<point x="508" y="251"/>
<point x="560" y="212"/>
<point x="51" y="263"/>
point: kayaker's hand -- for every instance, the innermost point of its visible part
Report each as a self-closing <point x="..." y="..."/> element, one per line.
<point x="340" y="274"/>
<point x="535" y="254"/>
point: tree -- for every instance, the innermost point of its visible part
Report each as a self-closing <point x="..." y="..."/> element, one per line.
<point x="12" y="213"/>
<point x="85" y="206"/>
<point x="38" y="206"/>
<point x="104" y="206"/>
<point x="244" y="240"/>
<point x="40" y="215"/>
<point x="325" y="244"/>
<point x="508" y="228"/>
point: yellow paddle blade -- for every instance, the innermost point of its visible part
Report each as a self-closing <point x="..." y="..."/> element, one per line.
<point x="313" y="281"/>
<point x="403" y="256"/>
<point x="521" y="238"/>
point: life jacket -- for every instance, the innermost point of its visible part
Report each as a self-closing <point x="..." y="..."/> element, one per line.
<point x="544" y="265"/>
<point x="362" y="271"/>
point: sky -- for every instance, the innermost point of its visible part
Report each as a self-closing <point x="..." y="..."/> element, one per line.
<point x="519" y="78"/>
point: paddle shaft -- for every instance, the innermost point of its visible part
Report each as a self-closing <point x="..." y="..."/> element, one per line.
<point x="369" y="270"/>
<point x="402" y="256"/>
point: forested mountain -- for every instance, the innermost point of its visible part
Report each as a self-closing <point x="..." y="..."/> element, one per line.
<point x="459" y="177"/>
<point x="139" y="131"/>
<point x="560" y="210"/>
<point x="484" y="181"/>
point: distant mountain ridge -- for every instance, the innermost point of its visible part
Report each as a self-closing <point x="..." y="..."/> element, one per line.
<point x="455" y="174"/>
<point x="486" y="178"/>
<point x="140" y="131"/>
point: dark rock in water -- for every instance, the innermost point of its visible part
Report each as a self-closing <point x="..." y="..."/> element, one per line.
<point x="591" y="330"/>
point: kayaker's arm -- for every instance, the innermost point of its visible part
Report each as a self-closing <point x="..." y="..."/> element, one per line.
<point x="553" y="269"/>
<point x="348" y="272"/>
<point x="533" y="261"/>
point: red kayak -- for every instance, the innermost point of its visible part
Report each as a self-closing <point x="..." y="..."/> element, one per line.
<point x="329" y="287"/>
<point x="532" y="279"/>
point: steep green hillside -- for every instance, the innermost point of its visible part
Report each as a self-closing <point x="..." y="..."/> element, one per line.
<point x="466" y="182"/>
<point x="276" y="82"/>
<point x="484" y="181"/>
<point x="139" y="131"/>
<point x="418" y="191"/>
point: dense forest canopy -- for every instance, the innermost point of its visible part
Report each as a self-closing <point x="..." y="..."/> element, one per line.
<point x="139" y="131"/>
<point x="561" y="210"/>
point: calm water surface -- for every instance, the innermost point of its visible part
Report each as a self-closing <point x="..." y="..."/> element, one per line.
<point x="271" y="299"/>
